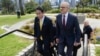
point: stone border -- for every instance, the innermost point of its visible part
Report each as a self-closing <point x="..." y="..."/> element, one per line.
<point x="27" y="51"/>
<point x="92" y="50"/>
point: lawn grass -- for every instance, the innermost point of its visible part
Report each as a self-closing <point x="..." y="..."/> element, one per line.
<point x="97" y="42"/>
<point x="97" y="51"/>
<point x="11" y="19"/>
<point x="10" y="45"/>
<point x="1" y="31"/>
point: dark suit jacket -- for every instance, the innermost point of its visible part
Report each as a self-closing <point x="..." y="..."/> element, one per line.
<point x="46" y="29"/>
<point x="87" y="30"/>
<point x="71" y="33"/>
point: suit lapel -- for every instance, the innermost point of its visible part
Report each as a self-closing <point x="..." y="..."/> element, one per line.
<point x="68" y="20"/>
<point x="38" y="23"/>
<point x="60" y="19"/>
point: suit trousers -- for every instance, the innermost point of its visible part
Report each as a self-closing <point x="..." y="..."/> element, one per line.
<point x="61" y="47"/>
<point x="43" y="47"/>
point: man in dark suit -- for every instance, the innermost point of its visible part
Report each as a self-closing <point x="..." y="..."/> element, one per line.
<point x="68" y="30"/>
<point x="42" y="32"/>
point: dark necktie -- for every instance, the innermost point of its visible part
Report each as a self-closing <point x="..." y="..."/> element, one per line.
<point x="64" y="20"/>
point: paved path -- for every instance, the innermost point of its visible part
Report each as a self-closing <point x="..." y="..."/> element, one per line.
<point x="80" y="51"/>
<point x="19" y="24"/>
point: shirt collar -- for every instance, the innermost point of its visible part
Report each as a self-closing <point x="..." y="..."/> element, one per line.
<point x="42" y="18"/>
<point x="65" y="14"/>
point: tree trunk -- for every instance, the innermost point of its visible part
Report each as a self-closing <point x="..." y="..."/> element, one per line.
<point x="21" y="7"/>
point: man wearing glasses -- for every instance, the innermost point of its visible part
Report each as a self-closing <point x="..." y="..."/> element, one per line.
<point x="68" y="30"/>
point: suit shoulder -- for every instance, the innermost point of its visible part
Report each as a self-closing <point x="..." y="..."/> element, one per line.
<point x="73" y="15"/>
<point x="47" y="18"/>
<point x="36" y="18"/>
<point x="58" y="15"/>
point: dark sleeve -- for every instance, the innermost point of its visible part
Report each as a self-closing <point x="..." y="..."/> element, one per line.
<point x="77" y="30"/>
<point x="57" y="28"/>
<point x="90" y="29"/>
<point x="50" y="30"/>
<point x="81" y="34"/>
<point x="35" y="29"/>
<point x="53" y="33"/>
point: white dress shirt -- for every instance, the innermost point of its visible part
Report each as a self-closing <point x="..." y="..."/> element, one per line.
<point x="66" y="17"/>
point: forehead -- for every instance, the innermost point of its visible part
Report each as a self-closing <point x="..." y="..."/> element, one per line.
<point x="64" y="4"/>
<point x="38" y="11"/>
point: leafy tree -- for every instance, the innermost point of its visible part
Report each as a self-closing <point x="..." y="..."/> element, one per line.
<point x="30" y="6"/>
<point x="7" y="6"/>
<point x="98" y="3"/>
<point x="46" y="5"/>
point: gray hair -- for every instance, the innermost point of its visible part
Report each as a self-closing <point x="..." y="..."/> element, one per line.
<point x="66" y="3"/>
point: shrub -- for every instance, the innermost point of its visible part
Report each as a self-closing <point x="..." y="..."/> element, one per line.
<point x="46" y="6"/>
<point x="30" y="7"/>
<point x="28" y="27"/>
<point x="54" y="11"/>
<point x="85" y="10"/>
<point x="93" y="6"/>
<point x="7" y="7"/>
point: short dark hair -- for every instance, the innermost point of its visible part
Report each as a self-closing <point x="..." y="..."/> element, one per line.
<point x="40" y="9"/>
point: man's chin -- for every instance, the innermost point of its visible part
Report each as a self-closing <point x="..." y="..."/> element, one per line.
<point x="62" y="12"/>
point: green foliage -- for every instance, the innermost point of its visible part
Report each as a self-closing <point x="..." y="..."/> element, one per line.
<point x="28" y="27"/>
<point x="98" y="2"/>
<point x="85" y="10"/>
<point x="98" y="51"/>
<point x="12" y="19"/>
<point x="74" y="10"/>
<point x="54" y="11"/>
<point x="93" y="6"/>
<point x="46" y="6"/>
<point x="30" y="7"/>
<point x="97" y="42"/>
<point x="11" y="45"/>
<point x="7" y="6"/>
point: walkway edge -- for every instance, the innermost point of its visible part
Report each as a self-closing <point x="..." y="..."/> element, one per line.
<point x="92" y="50"/>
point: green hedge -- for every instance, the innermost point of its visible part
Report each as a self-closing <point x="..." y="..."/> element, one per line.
<point x="54" y="11"/>
<point x="80" y="10"/>
<point x="85" y="10"/>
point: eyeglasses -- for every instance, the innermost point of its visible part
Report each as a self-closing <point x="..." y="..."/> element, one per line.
<point x="63" y="7"/>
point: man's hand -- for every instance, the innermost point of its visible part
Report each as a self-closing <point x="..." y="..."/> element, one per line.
<point x="51" y="44"/>
<point x="35" y="38"/>
<point x="57" y="40"/>
<point x="76" y="44"/>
